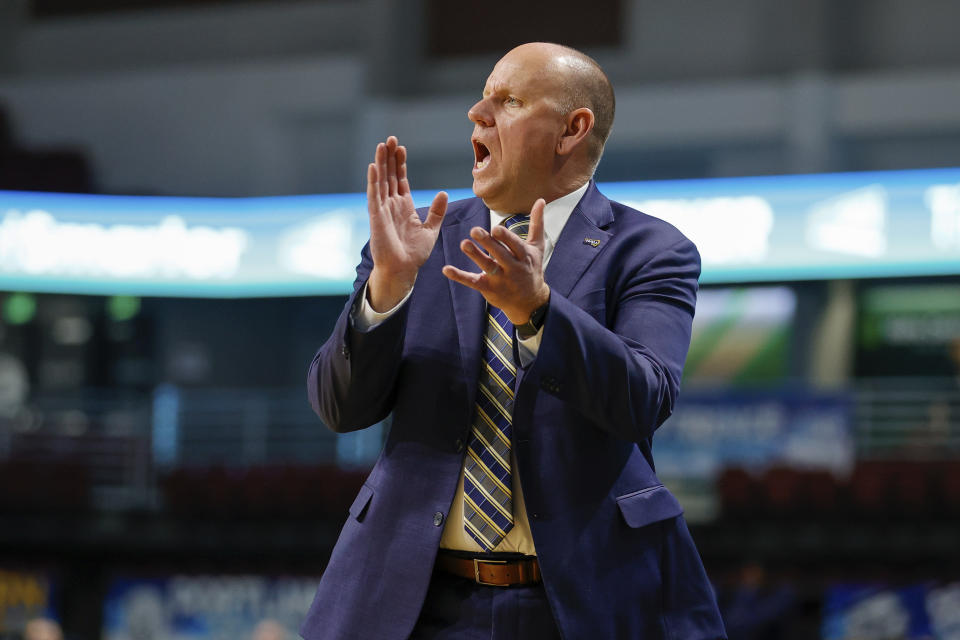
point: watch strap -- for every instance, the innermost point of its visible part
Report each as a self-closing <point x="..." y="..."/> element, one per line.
<point x="533" y="325"/>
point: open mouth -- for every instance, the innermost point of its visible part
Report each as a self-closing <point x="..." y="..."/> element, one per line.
<point x="481" y="155"/>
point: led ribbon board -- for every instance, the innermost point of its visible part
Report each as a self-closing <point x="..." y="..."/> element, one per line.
<point x="765" y="229"/>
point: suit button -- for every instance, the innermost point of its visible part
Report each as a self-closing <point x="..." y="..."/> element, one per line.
<point x="437" y="519"/>
<point x="459" y="445"/>
<point x="345" y="350"/>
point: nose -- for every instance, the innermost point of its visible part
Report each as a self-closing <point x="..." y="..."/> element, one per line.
<point x="480" y="113"/>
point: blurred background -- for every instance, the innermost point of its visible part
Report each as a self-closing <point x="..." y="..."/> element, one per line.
<point x="161" y="475"/>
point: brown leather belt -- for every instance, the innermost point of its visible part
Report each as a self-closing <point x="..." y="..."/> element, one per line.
<point x="496" y="573"/>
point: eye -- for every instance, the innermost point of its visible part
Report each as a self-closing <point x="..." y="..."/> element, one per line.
<point x="512" y="101"/>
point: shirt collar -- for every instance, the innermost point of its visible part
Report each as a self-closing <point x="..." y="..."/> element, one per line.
<point x="555" y="214"/>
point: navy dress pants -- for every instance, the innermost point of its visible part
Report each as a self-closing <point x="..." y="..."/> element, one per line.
<point x="461" y="609"/>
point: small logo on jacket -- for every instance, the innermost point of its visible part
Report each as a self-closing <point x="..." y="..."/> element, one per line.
<point x="592" y="242"/>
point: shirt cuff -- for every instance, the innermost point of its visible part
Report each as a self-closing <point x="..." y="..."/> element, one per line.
<point x="364" y="318"/>
<point x="527" y="348"/>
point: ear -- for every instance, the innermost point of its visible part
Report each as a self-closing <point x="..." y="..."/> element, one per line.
<point x="579" y="125"/>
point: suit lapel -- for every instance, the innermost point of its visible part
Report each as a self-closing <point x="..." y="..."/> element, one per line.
<point x="468" y="305"/>
<point x="580" y="242"/>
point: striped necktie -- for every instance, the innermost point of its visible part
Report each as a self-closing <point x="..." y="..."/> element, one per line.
<point x="487" y="484"/>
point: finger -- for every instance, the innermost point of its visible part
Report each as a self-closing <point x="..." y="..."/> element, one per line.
<point x="535" y="234"/>
<point x="472" y="280"/>
<point x="373" y="188"/>
<point x="499" y="252"/>
<point x="392" y="165"/>
<point x="382" y="170"/>
<point x="487" y="264"/>
<point x="438" y="208"/>
<point x="512" y="241"/>
<point x="403" y="186"/>
<point x="378" y="226"/>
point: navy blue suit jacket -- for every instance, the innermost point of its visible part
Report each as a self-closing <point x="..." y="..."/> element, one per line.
<point x="616" y="556"/>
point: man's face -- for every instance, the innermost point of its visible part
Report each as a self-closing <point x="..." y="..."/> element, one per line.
<point x="516" y="130"/>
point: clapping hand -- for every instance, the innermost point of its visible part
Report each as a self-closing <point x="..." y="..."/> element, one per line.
<point x="399" y="242"/>
<point x="511" y="276"/>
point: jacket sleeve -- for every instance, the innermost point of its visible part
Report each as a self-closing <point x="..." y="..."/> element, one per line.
<point x="352" y="378"/>
<point x="624" y="377"/>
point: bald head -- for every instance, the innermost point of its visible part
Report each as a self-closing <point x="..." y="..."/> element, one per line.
<point x="580" y="83"/>
<point x="539" y="127"/>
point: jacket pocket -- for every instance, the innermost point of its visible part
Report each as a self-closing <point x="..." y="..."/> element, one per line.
<point x="647" y="506"/>
<point x="359" y="507"/>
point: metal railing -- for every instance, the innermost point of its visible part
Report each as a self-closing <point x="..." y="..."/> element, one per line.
<point x="125" y="442"/>
<point x="907" y="418"/>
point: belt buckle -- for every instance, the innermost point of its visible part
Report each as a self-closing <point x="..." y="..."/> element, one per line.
<point x="476" y="572"/>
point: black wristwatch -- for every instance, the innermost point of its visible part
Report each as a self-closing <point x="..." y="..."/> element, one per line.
<point x="534" y="324"/>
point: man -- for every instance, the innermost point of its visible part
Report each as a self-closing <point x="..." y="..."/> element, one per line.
<point x="523" y="401"/>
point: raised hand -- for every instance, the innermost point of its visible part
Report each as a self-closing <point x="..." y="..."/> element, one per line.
<point x="399" y="242"/>
<point x="511" y="276"/>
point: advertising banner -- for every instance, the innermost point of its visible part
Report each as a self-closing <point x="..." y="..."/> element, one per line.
<point x="754" y="430"/>
<point x="772" y="228"/>
<point x="209" y="607"/>
<point x="878" y="612"/>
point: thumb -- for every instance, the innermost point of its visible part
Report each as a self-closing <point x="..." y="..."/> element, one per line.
<point x="535" y="233"/>
<point x="438" y="208"/>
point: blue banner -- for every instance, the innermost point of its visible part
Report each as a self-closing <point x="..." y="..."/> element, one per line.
<point x="753" y="430"/>
<point x="213" y="607"/>
<point x="884" y="612"/>
<point x="776" y="228"/>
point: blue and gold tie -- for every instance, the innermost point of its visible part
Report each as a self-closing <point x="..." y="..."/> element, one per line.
<point x="487" y="485"/>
